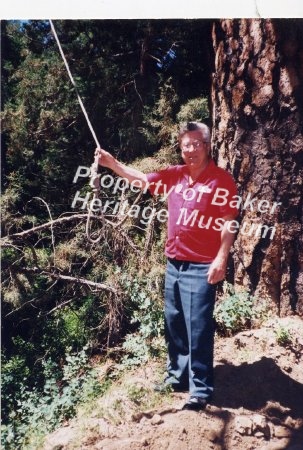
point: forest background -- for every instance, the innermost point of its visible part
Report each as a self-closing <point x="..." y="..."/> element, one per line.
<point x="64" y="298"/>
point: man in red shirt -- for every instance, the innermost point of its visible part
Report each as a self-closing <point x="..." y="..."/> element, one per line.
<point x="198" y="243"/>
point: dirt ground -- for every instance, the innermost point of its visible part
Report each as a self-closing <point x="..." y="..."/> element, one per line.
<point x="258" y="403"/>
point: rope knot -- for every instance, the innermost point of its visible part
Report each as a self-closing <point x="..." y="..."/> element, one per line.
<point x="94" y="177"/>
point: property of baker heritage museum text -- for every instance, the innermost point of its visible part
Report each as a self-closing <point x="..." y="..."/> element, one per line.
<point x="188" y="217"/>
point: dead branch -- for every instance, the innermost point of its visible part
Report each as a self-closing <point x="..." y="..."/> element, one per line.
<point x="59" y="221"/>
<point x="58" y="276"/>
<point x="5" y="241"/>
<point x="77" y="280"/>
<point x="62" y="305"/>
<point x="31" y="301"/>
<point x="130" y="243"/>
<point x="51" y="222"/>
<point x="149" y="236"/>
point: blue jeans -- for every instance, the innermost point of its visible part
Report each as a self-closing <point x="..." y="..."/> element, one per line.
<point x="189" y="330"/>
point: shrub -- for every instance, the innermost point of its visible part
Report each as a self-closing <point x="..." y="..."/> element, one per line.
<point x="196" y="109"/>
<point x="147" y="313"/>
<point x="283" y="336"/>
<point x="39" y="411"/>
<point x="234" y="312"/>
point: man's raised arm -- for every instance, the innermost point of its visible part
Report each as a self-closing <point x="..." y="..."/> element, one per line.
<point x="131" y="174"/>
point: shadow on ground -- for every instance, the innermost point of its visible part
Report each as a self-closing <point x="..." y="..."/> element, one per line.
<point x="260" y="387"/>
<point x="256" y="386"/>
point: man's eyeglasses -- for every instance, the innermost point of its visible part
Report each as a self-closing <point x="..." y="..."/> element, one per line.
<point x="194" y="144"/>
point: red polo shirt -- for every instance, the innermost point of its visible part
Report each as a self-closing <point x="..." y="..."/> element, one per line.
<point x="195" y="210"/>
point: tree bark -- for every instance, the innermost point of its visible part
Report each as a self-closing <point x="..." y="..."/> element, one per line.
<point x="257" y="97"/>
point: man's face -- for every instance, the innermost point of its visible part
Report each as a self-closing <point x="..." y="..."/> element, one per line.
<point x="194" y="149"/>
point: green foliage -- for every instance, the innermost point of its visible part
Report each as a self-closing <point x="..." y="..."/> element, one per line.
<point x="130" y="102"/>
<point x="196" y="109"/>
<point x="283" y="336"/>
<point x="13" y="372"/>
<point x="136" y="393"/>
<point x="40" y="410"/>
<point x="76" y="323"/>
<point x="235" y="311"/>
<point x="132" y="106"/>
<point x="159" y="118"/>
<point x="147" y="313"/>
<point x="161" y="121"/>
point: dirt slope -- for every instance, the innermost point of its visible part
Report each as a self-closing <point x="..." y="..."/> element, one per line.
<point x="258" y="403"/>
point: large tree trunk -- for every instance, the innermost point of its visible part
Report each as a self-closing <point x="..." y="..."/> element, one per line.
<point x="257" y="97"/>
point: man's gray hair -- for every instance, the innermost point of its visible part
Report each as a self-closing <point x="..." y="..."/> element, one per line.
<point x="194" y="126"/>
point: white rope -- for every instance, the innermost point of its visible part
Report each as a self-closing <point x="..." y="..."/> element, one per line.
<point x="74" y="84"/>
<point x="94" y="183"/>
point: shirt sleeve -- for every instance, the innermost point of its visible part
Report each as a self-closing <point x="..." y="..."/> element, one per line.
<point x="161" y="181"/>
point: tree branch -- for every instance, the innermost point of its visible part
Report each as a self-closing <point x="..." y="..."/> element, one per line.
<point x="58" y="221"/>
<point x="77" y="280"/>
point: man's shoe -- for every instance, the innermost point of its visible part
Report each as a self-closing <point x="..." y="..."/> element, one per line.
<point x="195" y="404"/>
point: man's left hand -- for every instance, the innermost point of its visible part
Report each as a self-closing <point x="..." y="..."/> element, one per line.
<point x="217" y="270"/>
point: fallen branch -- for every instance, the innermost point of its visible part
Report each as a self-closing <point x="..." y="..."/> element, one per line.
<point x="58" y="276"/>
<point x="43" y="226"/>
<point x="5" y="241"/>
<point x="77" y="280"/>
